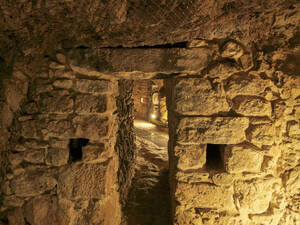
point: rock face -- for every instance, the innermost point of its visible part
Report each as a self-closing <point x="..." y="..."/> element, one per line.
<point x="233" y="145"/>
<point x="62" y="164"/>
<point x="232" y="84"/>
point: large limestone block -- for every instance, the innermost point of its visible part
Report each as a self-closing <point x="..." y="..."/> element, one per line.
<point x="190" y="156"/>
<point x="57" y="157"/>
<point x="214" y="130"/>
<point x="232" y="50"/>
<point x="223" y="179"/>
<point x="63" y="83"/>
<point x="16" y="217"/>
<point x="149" y="60"/>
<point x="6" y="115"/>
<point x="290" y="155"/>
<point x="243" y="84"/>
<point x="262" y="134"/>
<point x="108" y="213"/>
<point x="242" y="159"/>
<point x="37" y="156"/>
<point x="15" y="90"/>
<point x="56" y="102"/>
<point x="251" y="106"/>
<point x="32" y="183"/>
<point x="42" y="210"/>
<point x="12" y="201"/>
<point x="292" y="183"/>
<point x="291" y="87"/>
<point x="90" y="103"/>
<point x="91" y="86"/>
<point x="223" y="70"/>
<point x="29" y="129"/>
<point x="185" y="216"/>
<point x="55" y="127"/>
<point x="205" y="196"/>
<point x="293" y="129"/>
<point x="95" y="153"/>
<point x="93" y="127"/>
<point x="193" y="176"/>
<point x="83" y="181"/>
<point x="253" y="196"/>
<point x="198" y="97"/>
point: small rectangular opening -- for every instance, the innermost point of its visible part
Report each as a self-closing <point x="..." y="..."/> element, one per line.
<point x="75" y="147"/>
<point x="215" y="157"/>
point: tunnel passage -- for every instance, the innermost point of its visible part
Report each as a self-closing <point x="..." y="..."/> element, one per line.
<point x="148" y="200"/>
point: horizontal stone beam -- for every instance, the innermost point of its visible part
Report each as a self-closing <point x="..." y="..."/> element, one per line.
<point x="147" y="62"/>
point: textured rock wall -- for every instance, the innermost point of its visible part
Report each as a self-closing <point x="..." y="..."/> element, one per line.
<point x="125" y="145"/>
<point x="61" y="165"/>
<point x="13" y="90"/>
<point x="142" y="89"/>
<point x="234" y="140"/>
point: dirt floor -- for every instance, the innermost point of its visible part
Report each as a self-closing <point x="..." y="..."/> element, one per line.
<point x="149" y="201"/>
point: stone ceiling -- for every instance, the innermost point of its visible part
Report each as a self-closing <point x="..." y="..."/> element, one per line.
<point x="30" y="28"/>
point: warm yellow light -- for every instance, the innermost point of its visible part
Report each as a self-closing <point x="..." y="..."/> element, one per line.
<point x="143" y="124"/>
<point x="153" y="116"/>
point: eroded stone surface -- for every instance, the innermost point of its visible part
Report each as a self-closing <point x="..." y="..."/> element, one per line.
<point x="42" y="210"/>
<point x="205" y="195"/>
<point x="248" y="106"/>
<point x="32" y="183"/>
<point x="254" y="195"/>
<point x="217" y="130"/>
<point x="243" y="159"/>
<point x="190" y="157"/>
<point x="202" y="98"/>
<point x="83" y="181"/>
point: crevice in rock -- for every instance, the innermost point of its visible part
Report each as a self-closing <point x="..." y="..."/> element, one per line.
<point x="167" y="45"/>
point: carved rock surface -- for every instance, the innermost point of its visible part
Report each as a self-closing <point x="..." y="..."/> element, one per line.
<point x="83" y="181"/>
<point x="219" y="130"/>
<point x="202" y="98"/>
<point x="243" y="159"/>
<point x="32" y="183"/>
<point x="205" y="195"/>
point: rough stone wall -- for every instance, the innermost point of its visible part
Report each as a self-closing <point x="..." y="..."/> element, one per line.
<point x="125" y="145"/>
<point x="52" y="176"/>
<point x="142" y="89"/>
<point x="235" y="140"/>
<point x="13" y="90"/>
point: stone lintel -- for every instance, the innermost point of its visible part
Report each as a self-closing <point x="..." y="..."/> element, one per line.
<point x="135" y="62"/>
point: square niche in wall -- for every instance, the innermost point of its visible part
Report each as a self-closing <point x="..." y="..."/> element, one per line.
<point x="75" y="148"/>
<point x="215" y="157"/>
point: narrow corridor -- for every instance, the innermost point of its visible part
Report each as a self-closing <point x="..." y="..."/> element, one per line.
<point x="149" y="195"/>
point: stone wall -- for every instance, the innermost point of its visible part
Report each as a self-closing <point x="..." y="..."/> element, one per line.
<point x="62" y="165"/>
<point x="13" y="90"/>
<point x="142" y="99"/>
<point x="125" y="145"/>
<point x="234" y="140"/>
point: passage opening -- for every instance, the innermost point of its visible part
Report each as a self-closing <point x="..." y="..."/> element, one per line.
<point x="75" y="147"/>
<point x="215" y="157"/>
<point x="150" y="186"/>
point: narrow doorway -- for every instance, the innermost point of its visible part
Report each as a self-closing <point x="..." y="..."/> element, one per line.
<point x="149" y="198"/>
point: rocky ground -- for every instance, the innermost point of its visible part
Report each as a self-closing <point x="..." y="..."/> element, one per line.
<point x="149" y="195"/>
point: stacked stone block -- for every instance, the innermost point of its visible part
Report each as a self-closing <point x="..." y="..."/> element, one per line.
<point x="253" y="120"/>
<point x="43" y="185"/>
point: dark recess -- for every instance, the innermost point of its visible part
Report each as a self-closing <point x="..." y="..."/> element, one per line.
<point x="75" y="147"/>
<point x="214" y="157"/>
